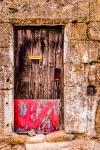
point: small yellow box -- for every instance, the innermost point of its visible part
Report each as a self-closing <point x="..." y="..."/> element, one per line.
<point x="35" y="57"/>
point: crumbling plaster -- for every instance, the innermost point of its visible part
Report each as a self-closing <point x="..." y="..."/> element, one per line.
<point x="81" y="20"/>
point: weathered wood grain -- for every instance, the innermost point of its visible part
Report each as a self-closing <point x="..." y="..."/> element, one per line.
<point x="35" y="79"/>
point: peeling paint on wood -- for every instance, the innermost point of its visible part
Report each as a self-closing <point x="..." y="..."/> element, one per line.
<point x="39" y="114"/>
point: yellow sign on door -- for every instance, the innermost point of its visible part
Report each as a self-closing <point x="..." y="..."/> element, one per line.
<point x="35" y="57"/>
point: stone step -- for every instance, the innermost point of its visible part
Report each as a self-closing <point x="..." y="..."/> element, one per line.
<point x="68" y="145"/>
<point x="59" y="136"/>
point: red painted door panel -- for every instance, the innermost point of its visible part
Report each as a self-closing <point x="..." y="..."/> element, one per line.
<point x="41" y="115"/>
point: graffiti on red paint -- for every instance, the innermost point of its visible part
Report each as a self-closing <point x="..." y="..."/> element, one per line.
<point x="22" y="108"/>
<point x="41" y="115"/>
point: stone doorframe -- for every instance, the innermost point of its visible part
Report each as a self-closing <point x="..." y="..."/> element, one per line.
<point x="78" y="107"/>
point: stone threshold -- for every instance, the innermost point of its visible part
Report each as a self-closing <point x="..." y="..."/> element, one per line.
<point x="77" y="144"/>
<point x="58" y="136"/>
<point x="54" y="137"/>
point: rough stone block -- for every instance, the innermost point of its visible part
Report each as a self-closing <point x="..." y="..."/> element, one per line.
<point x="18" y="147"/>
<point x="76" y="52"/>
<point x="39" y="138"/>
<point x="98" y="114"/>
<point x="59" y="136"/>
<point x="77" y="31"/>
<point x="92" y="109"/>
<point x="75" y="110"/>
<point x="98" y="74"/>
<point x="16" y="140"/>
<point x="6" y="104"/>
<point x="74" y="75"/>
<point x="6" y="99"/>
<point x="74" y="1"/>
<point x="5" y="34"/>
<point x="4" y="57"/>
<point x="1" y="110"/>
<point x="94" y="50"/>
<point x="92" y="74"/>
<point x="78" y="10"/>
<point x="94" y="31"/>
<point x="80" y="110"/>
<point x="79" y="144"/>
<point x="4" y="17"/>
<point x="5" y="147"/>
<point x="6" y="70"/>
<point x="31" y="132"/>
<point x="95" y="10"/>
<point x="6" y="78"/>
<point x="47" y="146"/>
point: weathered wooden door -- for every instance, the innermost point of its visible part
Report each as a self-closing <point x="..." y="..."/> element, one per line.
<point x="38" y="59"/>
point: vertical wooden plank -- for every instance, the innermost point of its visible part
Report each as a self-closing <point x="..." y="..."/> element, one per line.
<point x="39" y="85"/>
<point x="17" y="62"/>
<point x="36" y="51"/>
<point x="23" y="65"/>
<point x="32" y="72"/>
<point x="59" y="62"/>
<point x="20" y="45"/>
<point x="37" y="44"/>
<point x="44" y="46"/>
<point x="62" y="77"/>
<point x="26" y="65"/>
<point x="51" y="63"/>
<point x="58" y="49"/>
<point x="44" y="49"/>
<point x="29" y="69"/>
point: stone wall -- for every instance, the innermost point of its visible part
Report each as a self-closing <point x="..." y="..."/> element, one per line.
<point x="81" y="68"/>
<point x="81" y="19"/>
